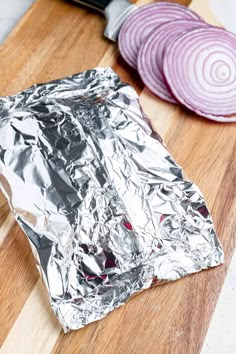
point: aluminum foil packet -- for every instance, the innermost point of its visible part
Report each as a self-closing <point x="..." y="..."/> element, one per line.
<point x="105" y="207"/>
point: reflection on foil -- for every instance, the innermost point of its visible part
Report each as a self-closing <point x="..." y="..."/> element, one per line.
<point x="106" y="209"/>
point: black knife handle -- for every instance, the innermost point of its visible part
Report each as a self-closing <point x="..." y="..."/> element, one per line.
<point x="99" y="5"/>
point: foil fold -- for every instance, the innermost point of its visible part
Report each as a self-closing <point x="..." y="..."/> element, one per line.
<point x="106" y="209"/>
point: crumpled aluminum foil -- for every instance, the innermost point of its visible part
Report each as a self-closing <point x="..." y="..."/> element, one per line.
<point x="105" y="207"/>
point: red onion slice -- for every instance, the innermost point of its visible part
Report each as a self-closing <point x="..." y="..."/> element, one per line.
<point x="138" y="25"/>
<point x="200" y="68"/>
<point x="150" y="57"/>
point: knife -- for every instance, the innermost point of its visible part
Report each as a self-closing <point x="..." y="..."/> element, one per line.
<point x="115" y="11"/>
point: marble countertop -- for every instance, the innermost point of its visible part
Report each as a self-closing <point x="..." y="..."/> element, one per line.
<point x="10" y="12"/>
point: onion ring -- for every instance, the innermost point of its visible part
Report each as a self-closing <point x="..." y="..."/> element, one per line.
<point x="150" y="57"/>
<point x="139" y="24"/>
<point x="200" y="69"/>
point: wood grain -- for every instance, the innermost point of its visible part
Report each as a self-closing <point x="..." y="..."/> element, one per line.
<point x="55" y="39"/>
<point x="18" y="276"/>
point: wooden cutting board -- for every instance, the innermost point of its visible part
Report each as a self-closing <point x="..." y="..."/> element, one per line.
<point x="54" y="39"/>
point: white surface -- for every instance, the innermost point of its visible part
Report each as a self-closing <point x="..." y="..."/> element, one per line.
<point x="221" y="336"/>
<point x="10" y="13"/>
<point x="225" y="12"/>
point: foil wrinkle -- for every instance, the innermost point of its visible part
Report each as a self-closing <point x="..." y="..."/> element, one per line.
<point x="106" y="209"/>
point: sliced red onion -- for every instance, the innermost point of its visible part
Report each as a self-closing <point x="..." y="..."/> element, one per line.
<point x="150" y="57"/>
<point x="200" y="68"/>
<point x="138" y="25"/>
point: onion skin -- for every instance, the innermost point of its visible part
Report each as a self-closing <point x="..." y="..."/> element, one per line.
<point x="140" y="24"/>
<point x="150" y="57"/>
<point x="200" y="69"/>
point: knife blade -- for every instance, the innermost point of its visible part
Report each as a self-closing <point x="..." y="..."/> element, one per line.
<point x="115" y="11"/>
